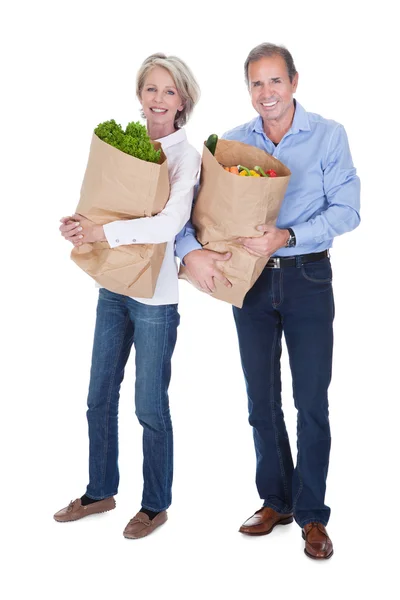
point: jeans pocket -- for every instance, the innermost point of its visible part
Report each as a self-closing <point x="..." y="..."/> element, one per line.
<point x="318" y="272"/>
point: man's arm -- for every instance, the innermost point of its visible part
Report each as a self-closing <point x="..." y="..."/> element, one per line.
<point x="186" y="241"/>
<point x="200" y="264"/>
<point x="342" y="190"/>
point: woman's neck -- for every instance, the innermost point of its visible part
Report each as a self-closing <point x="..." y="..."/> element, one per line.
<point x="160" y="131"/>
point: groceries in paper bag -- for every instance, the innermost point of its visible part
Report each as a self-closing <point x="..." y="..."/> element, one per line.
<point x="241" y="187"/>
<point x="126" y="178"/>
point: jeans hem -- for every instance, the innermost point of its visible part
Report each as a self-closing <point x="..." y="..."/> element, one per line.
<point x="278" y="510"/>
<point x="101" y="497"/>
<point x="155" y="509"/>
<point x="307" y="521"/>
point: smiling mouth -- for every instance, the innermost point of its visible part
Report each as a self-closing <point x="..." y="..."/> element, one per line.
<point x="269" y="104"/>
<point x="158" y="111"/>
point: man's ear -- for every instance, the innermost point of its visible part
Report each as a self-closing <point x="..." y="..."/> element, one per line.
<point x="295" y="82"/>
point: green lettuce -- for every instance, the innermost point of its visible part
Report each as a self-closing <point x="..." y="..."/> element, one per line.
<point x="134" y="140"/>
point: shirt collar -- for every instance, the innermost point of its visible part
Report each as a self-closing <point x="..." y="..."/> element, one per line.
<point x="300" y="121"/>
<point x="172" y="138"/>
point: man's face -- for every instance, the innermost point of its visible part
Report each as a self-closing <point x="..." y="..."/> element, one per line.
<point x="270" y="88"/>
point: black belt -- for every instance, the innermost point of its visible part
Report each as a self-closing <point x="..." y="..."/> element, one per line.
<point x="277" y="262"/>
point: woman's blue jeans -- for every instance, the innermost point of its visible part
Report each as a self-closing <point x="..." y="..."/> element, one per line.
<point x="120" y="322"/>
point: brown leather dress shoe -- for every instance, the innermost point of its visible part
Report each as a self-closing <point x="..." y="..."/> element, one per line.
<point x="264" y="520"/>
<point x="141" y="525"/>
<point x="318" y="543"/>
<point x="75" y="510"/>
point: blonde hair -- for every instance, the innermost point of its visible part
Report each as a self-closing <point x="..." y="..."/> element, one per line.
<point x="186" y="84"/>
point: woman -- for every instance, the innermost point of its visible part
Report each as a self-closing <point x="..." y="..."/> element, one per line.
<point x="167" y="92"/>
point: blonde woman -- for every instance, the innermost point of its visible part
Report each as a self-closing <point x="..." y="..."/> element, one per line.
<point x="168" y="93"/>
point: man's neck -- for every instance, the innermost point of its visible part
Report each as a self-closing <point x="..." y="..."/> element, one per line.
<point x="276" y="129"/>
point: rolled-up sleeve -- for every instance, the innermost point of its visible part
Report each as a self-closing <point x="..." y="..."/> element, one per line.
<point x="164" y="226"/>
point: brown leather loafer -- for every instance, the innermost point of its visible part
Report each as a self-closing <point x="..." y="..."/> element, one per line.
<point x="75" y="510"/>
<point x="141" y="525"/>
<point x="318" y="543"/>
<point x="264" y="520"/>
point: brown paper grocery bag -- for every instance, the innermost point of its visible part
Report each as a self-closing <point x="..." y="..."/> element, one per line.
<point x="119" y="186"/>
<point x="229" y="206"/>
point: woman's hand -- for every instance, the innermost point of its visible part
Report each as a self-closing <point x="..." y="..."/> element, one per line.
<point x="71" y="230"/>
<point x="78" y="230"/>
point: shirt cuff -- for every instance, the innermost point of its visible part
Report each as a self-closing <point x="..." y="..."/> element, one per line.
<point x="186" y="245"/>
<point x="116" y="236"/>
<point x="303" y="233"/>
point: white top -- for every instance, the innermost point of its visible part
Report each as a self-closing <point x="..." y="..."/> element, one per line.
<point x="183" y="169"/>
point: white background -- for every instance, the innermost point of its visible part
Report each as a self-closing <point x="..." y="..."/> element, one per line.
<point x="66" y="67"/>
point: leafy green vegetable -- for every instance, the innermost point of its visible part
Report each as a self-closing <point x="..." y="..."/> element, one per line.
<point x="134" y="140"/>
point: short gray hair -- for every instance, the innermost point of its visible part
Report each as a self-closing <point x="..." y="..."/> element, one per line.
<point x="264" y="50"/>
<point x="185" y="82"/>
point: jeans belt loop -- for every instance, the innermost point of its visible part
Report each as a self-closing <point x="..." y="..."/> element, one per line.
<point x="299" y="262"/>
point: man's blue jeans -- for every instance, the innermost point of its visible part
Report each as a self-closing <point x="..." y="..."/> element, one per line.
<point x="120" y="322"/>
<point x="297" y="301"/>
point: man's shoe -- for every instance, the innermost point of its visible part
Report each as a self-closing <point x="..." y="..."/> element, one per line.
<point x="264" y="520"/>
<point x="141" y="525"/>
<point x="318" y="543"/>
<point x="75" y="510"/>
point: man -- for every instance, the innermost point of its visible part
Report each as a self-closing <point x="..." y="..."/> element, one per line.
<point x="292" y="296"/>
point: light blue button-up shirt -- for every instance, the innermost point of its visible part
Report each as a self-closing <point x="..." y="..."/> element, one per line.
<point x="323" y="196"/>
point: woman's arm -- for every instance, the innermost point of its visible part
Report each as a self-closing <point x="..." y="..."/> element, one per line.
<point x="164" y="226"/>
<point x="160" y="228"/>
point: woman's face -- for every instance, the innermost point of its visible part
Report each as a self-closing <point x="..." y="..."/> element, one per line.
<point x="159" y="98"/>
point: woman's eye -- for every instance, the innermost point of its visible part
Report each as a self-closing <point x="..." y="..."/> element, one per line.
<point x="150" y="89"/>
<point x="171" y="92"/>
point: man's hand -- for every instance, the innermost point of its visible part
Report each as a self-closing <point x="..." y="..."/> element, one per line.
<point x="78" y="230"/>
<point x="267" y="244"/>
<point x="202" y="268"/>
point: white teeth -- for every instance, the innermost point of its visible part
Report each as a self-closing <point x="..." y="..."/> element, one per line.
<point x="159" y="110"/>
<point x="268" y="103"/>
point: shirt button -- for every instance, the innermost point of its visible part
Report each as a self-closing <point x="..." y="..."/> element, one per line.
<point x="133" y="240"/>
<point x="117" y="241"/>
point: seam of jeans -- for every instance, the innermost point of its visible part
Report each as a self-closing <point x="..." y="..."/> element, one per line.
<point x="272" y="405"/>
<point x="160" y="394"/>
<point x="278" y="273"/>
<point x="301" y="485"/>
<point x="105" y="449"/>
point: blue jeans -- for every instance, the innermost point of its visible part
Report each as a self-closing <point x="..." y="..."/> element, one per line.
<point x="120" y="322"/>
<point x="297" y="301"/>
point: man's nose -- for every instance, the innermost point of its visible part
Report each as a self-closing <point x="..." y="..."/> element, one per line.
<point x="268" y="90"/>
